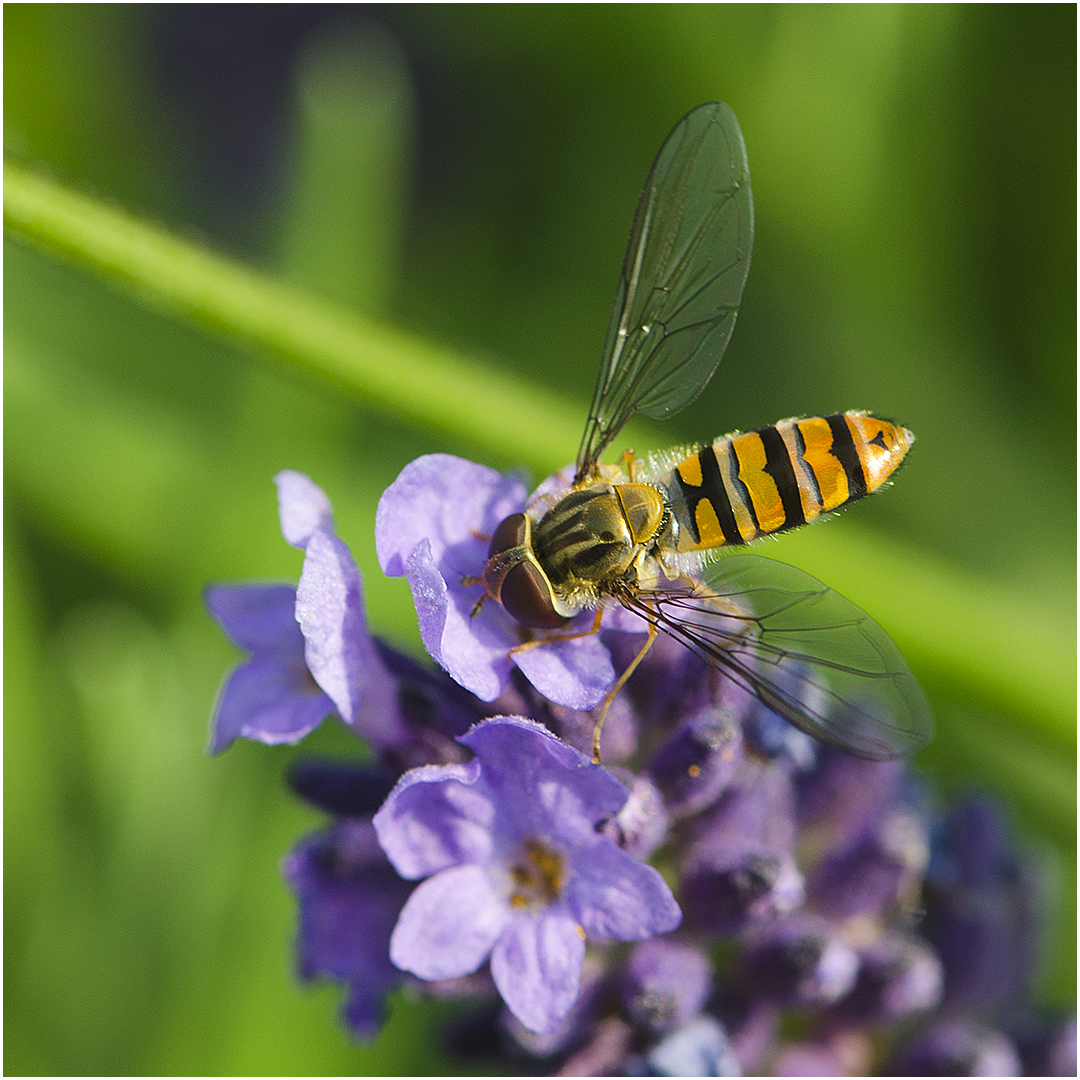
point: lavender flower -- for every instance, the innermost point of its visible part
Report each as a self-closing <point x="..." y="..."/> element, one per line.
<point x="349" y="900"/>
<point x="515" y="868"/>
<point x="311" y="650"/>
<point x="665" y="984"/>
<point x="431" y="527"/>
<point x="507" y="878"/>
<point x="271" y="697"/>
<point x="957" y="1047"/>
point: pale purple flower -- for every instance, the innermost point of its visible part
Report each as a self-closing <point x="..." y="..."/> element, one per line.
<point x="516" y="869"/>
<point x="311" y="651"/>
<point x="271" y="697"/>
<point x="799" y="868"/>
<point x="338" y="647"/>
<point x="432" y="526"/>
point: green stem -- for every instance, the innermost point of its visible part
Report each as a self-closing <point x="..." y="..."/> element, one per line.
<point x="513" y="420"/>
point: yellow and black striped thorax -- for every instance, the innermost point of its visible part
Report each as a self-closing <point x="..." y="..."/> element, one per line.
<point x="741" y="487"/>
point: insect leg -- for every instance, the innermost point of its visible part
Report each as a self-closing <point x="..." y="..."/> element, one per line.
<point x="594" y="629"/>
<point x="610" y="696"/>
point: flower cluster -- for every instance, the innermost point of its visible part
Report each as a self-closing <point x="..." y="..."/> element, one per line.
<point x="723" y="896"/>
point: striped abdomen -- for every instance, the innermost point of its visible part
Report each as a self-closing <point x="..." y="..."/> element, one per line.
<point x="744" y="486"/>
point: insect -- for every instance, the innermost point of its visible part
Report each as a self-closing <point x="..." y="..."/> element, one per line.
<point x="643" y="534"/>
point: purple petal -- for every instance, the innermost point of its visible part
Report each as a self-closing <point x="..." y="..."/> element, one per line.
<point x="349" y="900"/>
<point x="474" y="651"/>
<point x="449" y="924"/>
<point x="641" y="826"/>
<point x="809" y="1059"/>
<point x="258" y="618"/>
<point x="616" y="617"/>
<point x="329" y="608"/>
<point x="303" y="508"/>
<point x="957" y="1047"/>
<point x="448" y="501"/>
<point x="542" y="783"/>
<point x="268" y="700"/>
<point x="436" y="817"/>
<point x="575" y="673"/>
<point x="802" y="961"/>
<point x="536" y="965"/>
<point x="555" y="485"/>
<point x="614" y="896"/>
<point x="698" y="760"/>
<point x="665" y="984"/>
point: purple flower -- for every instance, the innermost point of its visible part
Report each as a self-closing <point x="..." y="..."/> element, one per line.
<point x="271" y="697"/>
<point x="699" y="759"/>
<point x="958" y="1047"/>
<point x="798" y="867"/>
<point x="983" y="903"/>
<point x="801" y="960"/>
<point x="899" y="975"/>
<point x="516" y="869"/>
<point x="311" y="652"/>
<point x="740" y="868"/>
<point x="880" y="867"/>
<point x="845" y="1054"/>
<point x="665" y="984"/>
<point x="349" y="898"/>
<point x="338" y="647"/>
<point x="432" y="526"/>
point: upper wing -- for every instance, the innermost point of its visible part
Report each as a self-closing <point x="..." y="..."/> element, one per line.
<point x="803" y="650"/>
<point x="682" y="278"/>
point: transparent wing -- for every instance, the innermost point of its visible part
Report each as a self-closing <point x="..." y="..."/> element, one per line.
<point x="803" y="650"/>
<point x="682" y="278"/>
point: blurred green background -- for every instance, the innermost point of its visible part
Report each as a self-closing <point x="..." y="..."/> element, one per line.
<point x="469" y="174"/>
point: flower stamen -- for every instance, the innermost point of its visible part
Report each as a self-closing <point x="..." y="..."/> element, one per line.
<point x="538" y="876"/>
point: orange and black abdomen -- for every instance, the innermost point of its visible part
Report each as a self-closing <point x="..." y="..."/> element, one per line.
<point x="741" y="487"/>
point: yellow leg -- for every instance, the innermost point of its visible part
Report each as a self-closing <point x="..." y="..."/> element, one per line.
<point x="610" y="696"/>
<point x="525" y="646"/>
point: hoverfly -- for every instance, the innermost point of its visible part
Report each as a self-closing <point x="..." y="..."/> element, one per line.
<point x="644" y="536"/>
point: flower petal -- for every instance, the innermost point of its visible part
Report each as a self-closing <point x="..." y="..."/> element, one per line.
<point x="349" y="899"/>
<point x="302" y="506"/>
<point x="449" y="924"/>
<point x="328" y="611"/>
<point x="472" y="650"/>
<point x="575" y="672"/>
<point x="269" y="701"/>
<point x="614" y="896"/>
<point x="329" y="608"/>
<point x="451" y="502"/>
<point x="543" y="786"/>
<point x="436" y="817"/>
<point x="536" y="965"/>
<point x="258" y="618"/>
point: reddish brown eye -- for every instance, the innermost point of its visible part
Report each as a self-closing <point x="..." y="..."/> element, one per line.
<point x="509" y="534"/>
<point x="525" y="594"/>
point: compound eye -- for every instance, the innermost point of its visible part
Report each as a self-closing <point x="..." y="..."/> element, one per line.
<point x="526" y="595"/>
<point x="510" y="534"/>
